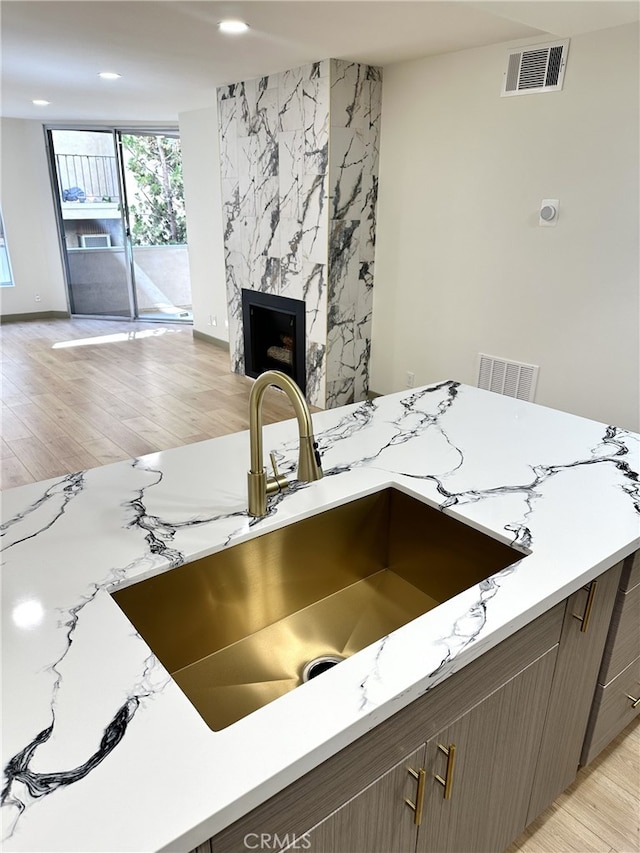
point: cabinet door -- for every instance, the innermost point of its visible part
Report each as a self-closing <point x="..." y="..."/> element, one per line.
<point x="614" y="706"/>
<point x="378" y="820"/>
<point x="584" y="631"/>
<point x="478" y="801"/>
<point x="623" y="642"/>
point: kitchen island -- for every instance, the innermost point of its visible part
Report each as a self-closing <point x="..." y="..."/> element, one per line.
<point x="101" y="749"/>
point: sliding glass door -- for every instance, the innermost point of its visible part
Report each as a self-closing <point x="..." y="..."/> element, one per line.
<point x="122" y="223"/>
<point x="92" y="222"/>
<point x="152" y="164"/>
<point x="6" y="276"/>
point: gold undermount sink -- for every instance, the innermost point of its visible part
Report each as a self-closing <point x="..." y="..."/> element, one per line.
<point x="241" y="627"/>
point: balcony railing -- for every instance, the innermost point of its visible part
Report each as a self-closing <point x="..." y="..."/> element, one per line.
<point x="87" y="178"/>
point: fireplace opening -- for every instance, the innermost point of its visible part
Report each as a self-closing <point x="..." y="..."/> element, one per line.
<point x="274" y="335"/>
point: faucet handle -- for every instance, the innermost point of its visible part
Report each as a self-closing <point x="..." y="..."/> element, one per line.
<point x="278" y="481"/>
<point x="274" y="464"/>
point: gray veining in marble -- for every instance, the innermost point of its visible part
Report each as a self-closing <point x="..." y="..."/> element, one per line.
<point x="86" y="698"/>
<point x="299" y="222"/>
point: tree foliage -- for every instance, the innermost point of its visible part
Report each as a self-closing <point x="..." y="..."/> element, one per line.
<point x="157" y="209"/>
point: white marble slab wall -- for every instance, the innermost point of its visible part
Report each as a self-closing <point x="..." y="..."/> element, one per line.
<point x="355" y="108"/>
<point x="280" y="235"/>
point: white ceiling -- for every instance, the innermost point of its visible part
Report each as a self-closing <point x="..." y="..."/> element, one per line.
<point x="171" y="55"/>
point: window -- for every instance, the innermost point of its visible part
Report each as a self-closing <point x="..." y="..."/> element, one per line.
<point x="6" y="277"/>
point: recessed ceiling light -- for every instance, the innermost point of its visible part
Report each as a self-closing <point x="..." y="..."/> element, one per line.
<point x="39" y="102"/>
<point x="109" y="75"/>
<point x="233" y="27"/>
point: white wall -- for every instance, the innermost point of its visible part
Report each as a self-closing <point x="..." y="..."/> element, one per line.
<point x="30" y="223"/>
<point x="203" y="201"/>
<point x="461" y="264"/>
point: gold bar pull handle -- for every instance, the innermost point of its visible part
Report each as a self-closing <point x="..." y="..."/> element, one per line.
<point x="634" y="702"/>
<point x="447" y="782"/>
<point x="416" y="807"/>
<point x="588" y="607"/>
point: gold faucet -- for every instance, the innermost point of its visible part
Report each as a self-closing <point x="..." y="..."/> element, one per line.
<point x="309" y="469"/>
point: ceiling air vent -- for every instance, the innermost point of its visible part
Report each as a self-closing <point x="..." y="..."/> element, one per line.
<point x="512" y="378"/>
<point x="539" y="68"/>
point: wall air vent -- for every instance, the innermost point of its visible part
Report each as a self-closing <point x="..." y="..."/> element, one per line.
<point x="539" y="68"/>
<point x="95" y="241"/>
<point x="512" y="378"/>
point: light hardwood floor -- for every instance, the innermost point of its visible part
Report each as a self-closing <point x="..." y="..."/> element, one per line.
<point x="81" y="393"/>
<point x="600" y="812"/>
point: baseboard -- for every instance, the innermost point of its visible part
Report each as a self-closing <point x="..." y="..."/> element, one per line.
<point x="201" y="336"/>
<point x="34" y="315"/>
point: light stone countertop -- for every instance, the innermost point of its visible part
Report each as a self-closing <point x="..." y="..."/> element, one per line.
<point x="103" y="752"/>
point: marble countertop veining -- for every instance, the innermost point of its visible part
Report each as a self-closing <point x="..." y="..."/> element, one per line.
<point x="103" y="752"/>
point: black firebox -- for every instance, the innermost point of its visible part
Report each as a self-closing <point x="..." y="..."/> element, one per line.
<point x="274" y="335"/>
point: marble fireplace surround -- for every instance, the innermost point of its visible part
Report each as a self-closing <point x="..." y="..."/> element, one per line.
<point x="299" y="169"/>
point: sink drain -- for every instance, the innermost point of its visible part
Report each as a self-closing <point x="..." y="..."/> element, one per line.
<point x="319" y="665"/>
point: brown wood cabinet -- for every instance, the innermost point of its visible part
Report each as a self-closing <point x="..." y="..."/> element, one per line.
<point x="617" y="697"/>
<point x="496" y="746"/>
<point x="439" y="797"/>
<point x="377" y="820"/>
<point x="516" y="719"/>
<point x="584" y="632"/>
